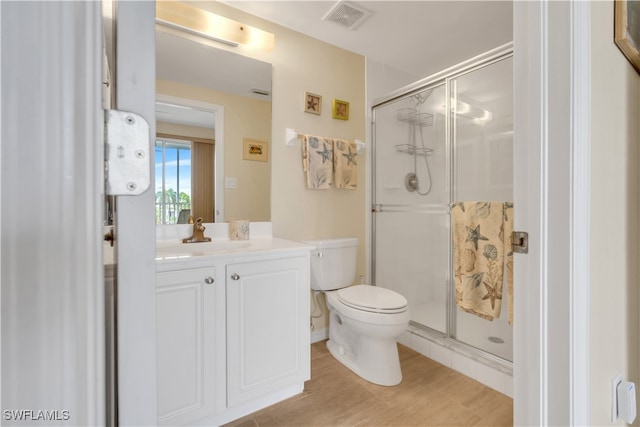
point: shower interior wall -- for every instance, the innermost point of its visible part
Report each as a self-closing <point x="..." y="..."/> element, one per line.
<point x="472" y="160"/>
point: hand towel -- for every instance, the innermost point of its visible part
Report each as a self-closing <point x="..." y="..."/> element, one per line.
<point x="317" y="161"/>
<point x="345" y="164"/>
<point x="478" y="256"/>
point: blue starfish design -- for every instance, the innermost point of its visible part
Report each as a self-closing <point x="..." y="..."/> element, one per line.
<point x="473" y="235"/>
<point x="326" y="154"/>
<point x="351" y="157"/>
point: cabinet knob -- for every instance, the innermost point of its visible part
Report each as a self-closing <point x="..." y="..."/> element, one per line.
<point x="235" y="276"/>
<point x="208" y="280"/>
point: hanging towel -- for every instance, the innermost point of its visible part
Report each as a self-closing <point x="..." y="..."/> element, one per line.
<point x="478" y="256"/>
<point x="508" y="263"/>
<point x="345" y="164"/>
<point x="317" y="161"/>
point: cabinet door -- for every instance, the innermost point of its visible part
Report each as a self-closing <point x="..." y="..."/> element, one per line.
<point x="267" y="327"/>
<point x="185" y="337"/>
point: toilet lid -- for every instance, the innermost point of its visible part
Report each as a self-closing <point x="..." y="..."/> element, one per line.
<point x="372" y="298"/>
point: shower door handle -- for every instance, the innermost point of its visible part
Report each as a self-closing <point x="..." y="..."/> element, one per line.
<point x="521" y="242"/>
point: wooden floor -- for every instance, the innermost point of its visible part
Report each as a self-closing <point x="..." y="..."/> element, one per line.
<point x="430" y="395"/>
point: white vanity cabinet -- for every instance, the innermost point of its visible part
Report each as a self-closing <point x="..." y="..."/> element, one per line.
<point x="267" y="327"/>
<point x="232" y="334"/>
<point x="185" y="337"/>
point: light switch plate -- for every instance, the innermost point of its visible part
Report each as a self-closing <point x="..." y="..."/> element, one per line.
<point x="231" y="183"/>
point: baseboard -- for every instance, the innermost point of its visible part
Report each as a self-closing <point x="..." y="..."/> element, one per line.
<point x="319" y="335"/>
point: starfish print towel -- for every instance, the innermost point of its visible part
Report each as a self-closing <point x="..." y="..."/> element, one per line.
<point x="479" y="255"/>
<point x="317" y="161"/>
<point x="345" y="166"/>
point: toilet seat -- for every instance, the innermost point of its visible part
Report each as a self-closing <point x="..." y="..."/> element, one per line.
<point x="372" y="299"/>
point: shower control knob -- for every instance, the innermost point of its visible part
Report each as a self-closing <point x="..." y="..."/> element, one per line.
<point x="411" y="182"/>
<point x="235" y="276"/>
<point x="208" y="280"/>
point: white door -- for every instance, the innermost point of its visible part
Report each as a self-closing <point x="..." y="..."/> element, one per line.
<point x="134" y="81"/>
<point x="51" y="217"/>
<point x="551" y="196"/>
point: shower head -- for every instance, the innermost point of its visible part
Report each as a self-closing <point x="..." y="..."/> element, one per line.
<point x="421" y="97"/>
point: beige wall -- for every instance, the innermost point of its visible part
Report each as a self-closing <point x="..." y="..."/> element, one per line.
<point x="302" y="64"/>
<point x="615" y="135"/>
<point x="243" y="118"/>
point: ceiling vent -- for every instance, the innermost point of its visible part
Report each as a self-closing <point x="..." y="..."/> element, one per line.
<point x="347" y="15"/>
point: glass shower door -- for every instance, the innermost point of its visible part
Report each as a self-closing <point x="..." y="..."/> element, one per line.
<point x="411" y="203"/>
<point x="482" y="126"/>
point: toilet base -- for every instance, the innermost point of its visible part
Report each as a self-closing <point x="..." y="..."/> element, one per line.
<point x="373" y="360"/>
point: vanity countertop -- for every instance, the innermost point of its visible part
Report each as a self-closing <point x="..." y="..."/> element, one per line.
<point x="171" y="251"/>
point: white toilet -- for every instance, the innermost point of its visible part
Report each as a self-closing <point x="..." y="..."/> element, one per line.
<point x="364" y="321"/>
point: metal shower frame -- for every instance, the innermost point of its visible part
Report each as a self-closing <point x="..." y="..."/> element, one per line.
<point x="445" y="78"/>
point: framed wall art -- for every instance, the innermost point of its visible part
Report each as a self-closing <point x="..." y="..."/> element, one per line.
<point x="312" y="103"/>
<point x="252" y="149"/>
<point x="340" y="109"/>
<point x="627" y="30"/>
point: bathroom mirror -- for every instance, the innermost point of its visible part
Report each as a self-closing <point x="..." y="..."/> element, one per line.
<point x="209" y="102"/>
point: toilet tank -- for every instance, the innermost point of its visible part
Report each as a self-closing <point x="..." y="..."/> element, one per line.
<point x="333" y="263"/>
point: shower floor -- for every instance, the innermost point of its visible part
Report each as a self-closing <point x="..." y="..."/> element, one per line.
<point x="471" y="330"/>
<point x="482" y="334"/>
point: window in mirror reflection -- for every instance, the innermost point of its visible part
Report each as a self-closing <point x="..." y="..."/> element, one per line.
<point x="173" y="181"/>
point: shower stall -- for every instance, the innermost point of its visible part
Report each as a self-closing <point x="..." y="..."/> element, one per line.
<point x="444" y="139"/>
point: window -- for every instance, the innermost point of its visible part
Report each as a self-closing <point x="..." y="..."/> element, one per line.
<point x="173" y="181"/>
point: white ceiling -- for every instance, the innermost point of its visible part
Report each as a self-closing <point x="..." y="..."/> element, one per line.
<point x="417" y="37"/>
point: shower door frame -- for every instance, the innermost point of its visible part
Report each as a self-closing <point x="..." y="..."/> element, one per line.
<point x="441" y="78"/>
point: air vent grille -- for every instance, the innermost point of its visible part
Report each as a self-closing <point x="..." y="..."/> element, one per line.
<point x="261" y="92"/>
<point x="347" y="15"/>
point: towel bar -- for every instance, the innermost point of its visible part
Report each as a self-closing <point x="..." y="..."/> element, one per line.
<point x="291" y="136"/>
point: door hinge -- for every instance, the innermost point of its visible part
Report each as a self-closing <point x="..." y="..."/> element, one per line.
<point x="521" y="242"/>
<point x="126" y="156"/>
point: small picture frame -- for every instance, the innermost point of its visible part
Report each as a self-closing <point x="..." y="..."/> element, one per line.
<point x="312" y="103"/>
<point x="340" y="109"/>
<point x="252" y="149"/>
<point x="627" y="30"/>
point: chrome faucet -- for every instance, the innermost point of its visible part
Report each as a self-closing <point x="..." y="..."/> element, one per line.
<point x="198" y="232"/>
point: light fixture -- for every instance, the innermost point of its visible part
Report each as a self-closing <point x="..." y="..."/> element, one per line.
<point x="209" y="25"/>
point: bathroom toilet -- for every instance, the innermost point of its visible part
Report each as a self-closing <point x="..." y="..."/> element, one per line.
<point x="364" y="321"/>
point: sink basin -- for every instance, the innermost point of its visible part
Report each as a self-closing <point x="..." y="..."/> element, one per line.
<point x="167" y="249"/>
